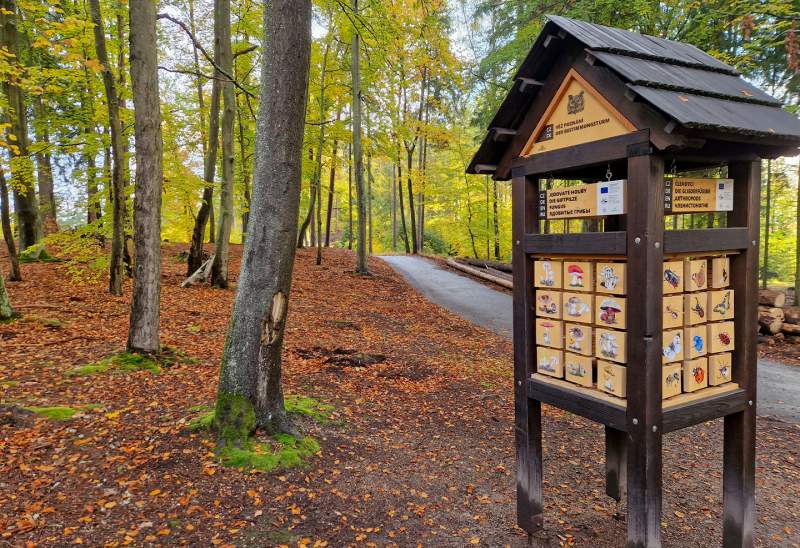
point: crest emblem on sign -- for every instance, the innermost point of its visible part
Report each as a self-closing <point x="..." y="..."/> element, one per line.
<point x="575" y="103"/>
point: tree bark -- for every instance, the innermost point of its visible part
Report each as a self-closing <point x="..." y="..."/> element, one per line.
<point x="6" y="312"/>
<point x="350" y="196"/>
<point x="312" y="197"/>
<point x="409" y="166"/>
<point x="26" y="204"/>
<point x="8" y="235"/>
<point x="767" y="227"/>
<point x="44" y="167"/>
<point x="245" y="175"/>
<point x="331" y="184"/>
<point x="394" y="208"/>
<point x="318" y="170"/>
<point x="250" y="376"/>
<point x="358" y="158"/>
<point x="404" y="231"/>
<point x="117" y="151"/>
<point x="495" y="221"/>
<point x="143" y="332"/>
<point x="222" y="32"/>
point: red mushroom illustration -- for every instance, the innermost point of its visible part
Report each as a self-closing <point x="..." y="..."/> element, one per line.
<point x="576" y="275"/>
<point x="610" y="309"/>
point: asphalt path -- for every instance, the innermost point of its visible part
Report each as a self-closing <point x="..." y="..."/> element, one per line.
<point x="778" y="384"/>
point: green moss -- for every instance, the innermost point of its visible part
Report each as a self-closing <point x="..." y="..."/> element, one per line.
<point x="124" y="362"/>
<point x="194" y="328"/>
<point x="285" y="452"/>
<point x="9" y="384"/>
<point x="310" y="407"/>
<point x="58" y="413"/>
<point x="36" y="253"/>
<point x="202" y="422"/>
<point x="234" y="419"/>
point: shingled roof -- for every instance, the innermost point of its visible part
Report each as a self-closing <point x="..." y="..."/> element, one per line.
<point x="679" y="81"/>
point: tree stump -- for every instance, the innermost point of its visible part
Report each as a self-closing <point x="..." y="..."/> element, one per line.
<point x="770" y="297"/>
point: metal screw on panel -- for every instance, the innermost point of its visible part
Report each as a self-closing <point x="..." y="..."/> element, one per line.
<point x="517" y="242"/>
<point x="655" y="428"/>
<point x="657" y="245"/>
<point x="637" y="240"/>
<point x="750" y="403"/>
<point x="635" y="421"/>
<point x="519" y="383"/>
<point x="754" y="242"/>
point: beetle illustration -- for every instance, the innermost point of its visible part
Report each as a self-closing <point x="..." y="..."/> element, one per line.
<point x="699" y="374"/>
<point x="673" y="378"/>
<point x="671" y="278"/>
<point x="698" y="308"/>
<point x="697" y="342"/>
<point x="724" y="338"/>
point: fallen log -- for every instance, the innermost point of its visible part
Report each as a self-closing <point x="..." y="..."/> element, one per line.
<point x="480" y="274"/>
<point x="770" y="320"/>
<point x="480" y="263"/>
<point x="770" y="297"/>
<point x="791" y="329"/>
<point x="791" y="314"/>
<point x="201" y="274"/>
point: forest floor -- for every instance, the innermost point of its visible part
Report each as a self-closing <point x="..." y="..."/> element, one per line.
<point x="419" y="451"/>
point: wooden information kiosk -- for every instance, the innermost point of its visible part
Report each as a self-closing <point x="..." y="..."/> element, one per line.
<point x="642" y="329"/>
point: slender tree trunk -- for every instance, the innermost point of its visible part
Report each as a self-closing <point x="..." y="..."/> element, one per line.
<point x="767" y="226"/>
<point x="350" y="196"/>
<point x="93" y="211"/>
<point x="117" y="151"/>
<point x="26" y="204"/>
<point x="8" y="235"/>
<point x="198" y="81"/>
<point x="361" y="198"/>
<point x="6" y="312"/>
<point x="394" y="208"/>
<point x="797" y="244"/>
<point x="496" y="222"/>
<point x="369" y="199"/>
<point x="245" y="174"/>
<point x="404" y="231"/>
<point x="312" y="197"/>
<point x="316" y="234"/>
<point x="222" y="21"/>
<point x="409" y="166"/>
<point x="44" y="167"/>
<point x="143" y="335"/>
<point x="331" y="183"/>
<point x="469" y="221"/>
<point x="250" y="392"/>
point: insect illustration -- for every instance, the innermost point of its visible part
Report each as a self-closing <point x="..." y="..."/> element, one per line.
<point x="697" y="342"/>
<point x="724" y="338"/>
<point x="672" y="350"/>
<point x="724" y="371"/>
<point x="724" y="276"/>
<point x="698" y="308"/>
<point x="608" y="345"/>
<point x="723" y="307"/>
<point x="576" y="334"/>
<point x="546" y="304"/>
<point x="608" y="278"/>
<point x="699" y="277"/>
<point x="699" y="374"/>
<point x="548" y="365"/>
<point x="673" y="378"/>
<point x="672" y="313"/>
<point x="671" y="278"/>
<point x="547" y="278"/>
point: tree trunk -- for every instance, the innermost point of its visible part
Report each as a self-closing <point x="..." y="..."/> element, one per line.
<point x="117" y="151"/>
<point x="495" y="221"/>
<point x="770" y="320"/>
<point x="222" y="32"/>
<point x="245" y="175"/>
<point x="410" y="188"/>
<point x="394" y="208"/>
<point x="767" y="218"/>
<point x="331" y="183"/>
<point x="312" y="197"/>
<point x="44" y="167"/>
<point x="404" y="231"/>
<point x="8" y="235"/>
<point x="797" y="243"/>
<point x="318" y="169"/>
<point x="350" y="196"/>
<point x="6" y="312"/>
<point x="361" y="201"/>
<point x="143" y="335"/>
<point x="26" y="204"/>
<point x="250" y="391"/>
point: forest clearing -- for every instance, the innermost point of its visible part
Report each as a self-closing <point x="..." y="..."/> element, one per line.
<point x="416" y="448"/>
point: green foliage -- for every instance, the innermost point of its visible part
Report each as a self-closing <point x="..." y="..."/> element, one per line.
<point x="319" y="411"/>
<point x="57" y="413"/>
<point x="283" y="452"/>
<point x="82" y="248"/>
<point x="36" y="253"/>
<point x="124" y="362"/>
<point x="204" y="421"/>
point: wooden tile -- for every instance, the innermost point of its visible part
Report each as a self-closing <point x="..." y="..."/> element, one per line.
<point x="550" y="362"/>
<point x="672" y="349"/>
<point x="577" y="307"/>
<point x="547" y="274"/>
<point x="577" y="276"/>
<point x="720" y="272"/>
<point x="610" y="278"/>
<point x="578" y="369"/>
<point x="609" y="344"/>
<point x="673" y="277"/>
<point x="611" y="378"/>
<point x="578" y="338"/>
<point x="548" y="304"/>
<point x="696" y="275"/>
<point x="695" y="374"/>
<point x="720" y="305"/>
<point x="720" y="368"/>
<point x="609" y="311"/>
<point x="721" y="337"/>
<point x="695" y="308"/>
<point x="672" y="311"/>
<point x="671" y="380"/>
<point x="549" y="333"/>
<point x="696" y="341"/>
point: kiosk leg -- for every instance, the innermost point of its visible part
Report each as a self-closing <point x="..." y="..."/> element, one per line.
<point x="738" y="482"/>
<point x="530" y="501"/>
<point x="616" y="463"/>
<point x="644" y="490"/>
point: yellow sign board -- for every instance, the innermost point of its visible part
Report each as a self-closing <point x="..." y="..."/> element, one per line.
<point x="577" y="114"/>
<point x="683" y="195"/>
<point x="584" y="200"/>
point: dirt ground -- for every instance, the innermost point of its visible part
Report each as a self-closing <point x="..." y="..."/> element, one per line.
<point x="420" y="452"/>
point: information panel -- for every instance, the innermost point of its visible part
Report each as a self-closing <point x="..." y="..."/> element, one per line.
<point x="697" y="195"/>
<point x="584" y="200"/>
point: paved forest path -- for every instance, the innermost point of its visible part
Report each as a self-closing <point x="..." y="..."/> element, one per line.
<point x="778" y="384"/>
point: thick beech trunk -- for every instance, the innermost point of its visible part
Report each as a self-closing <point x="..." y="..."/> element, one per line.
<point x="358" y="158"/>
<point x="6" y="312"/>
<point x="117" y="151"/>
<point x="222" y="33"/>
<point x="143" y="333"/>
<point x="250" y="392"/>
<point x="8" y="235"/>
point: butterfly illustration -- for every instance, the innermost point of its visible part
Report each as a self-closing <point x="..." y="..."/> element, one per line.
<point x="723" y="307"/>
<point x="699" y="277"/>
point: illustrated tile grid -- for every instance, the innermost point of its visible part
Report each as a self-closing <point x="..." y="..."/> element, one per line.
<point x="611" y="378"/>
<point x="610" y="278"/>
<point x="720" y="305"/>
<point x="695" y="374"/>
<point x="720" y="272"/>
<point x="695" y="308"/>
<point x="695" y="341"/>
<point x="720" y="368"/>
<point x="609" y="344"/>
<point x="672" y="311"/>
<point x="547" y="274"/>
<point x="673" y="277"/>
<point x="550" y="362"/>
<point x="578" y="369"/>
<point x="672" y="346"/>
<point x="548" y="304"/>
<point x="671" y="380"/>
<point x="577" y="307"/>
<point x="577" y="276"/>
<point x="549" y="332"/>
<point x="695" y="274"/>
<point x="609" y="311"/>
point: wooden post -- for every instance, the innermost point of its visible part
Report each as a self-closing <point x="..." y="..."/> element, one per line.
<point x="645" y="231"/>
<point x="616" y="463"/>
<point x="527" y="412"/>
<point x="738" y="484"/>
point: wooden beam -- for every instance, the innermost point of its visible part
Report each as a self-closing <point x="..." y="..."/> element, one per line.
<point x="616" y="463"/>
<point x="582" y="243"/>
<point x="584" y="405"/>
<point x="739" y="445"/>
<point x="709" y="239"/>
<point x="525" y="83"/>
<point x="527" y="412"/>
<point x="485" y="168"/>
<point x="578" y="156"/>
<point x="645" y="227"/>
<point x="501" y="133"/>
<point x="683" y="416"/>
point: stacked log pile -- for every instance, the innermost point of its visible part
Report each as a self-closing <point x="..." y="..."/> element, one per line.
<point x="774" y="316"/>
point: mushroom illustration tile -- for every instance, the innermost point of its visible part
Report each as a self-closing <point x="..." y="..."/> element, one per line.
<point x="720" y="337"/>
<point x="547" y="274"/>
<point x="578" y="338"/>
<point x="720" y="305"/>
<point x="610" y="278"/>
<point x="720" y="272"/>
<point x="609" y="311"/>
<point x="672" y="311"/>
<point x="696" y="338"/>
<point x="577" y="307"/>
<point x="695" y="374"/>
<point x="720" y="368"/>
<point x="549" y="362"/>
<point x="672" y="346"/>
<point x="548" y="304"/>
<point x="549" y="332"/>
<point x="671" y="380"/>
<point x="611" y="378"/>
<point x="578" y="369"/>
<point x="577" y="276"/>
<point x="695" y="308"/>
<point x="609" y="344"/>
<point x="696" y="275"/>
<point x="673" y="277"/>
